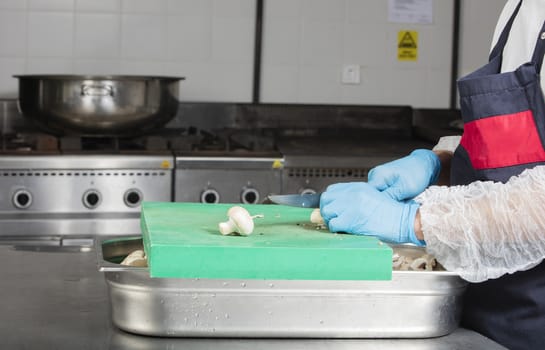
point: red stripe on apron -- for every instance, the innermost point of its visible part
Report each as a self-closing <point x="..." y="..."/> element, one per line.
<point x="503" y="140"/>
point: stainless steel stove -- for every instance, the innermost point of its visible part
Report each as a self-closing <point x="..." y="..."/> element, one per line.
<point x="312" y="164"/>
<point x="228" y="178"/>
<point x="80" y="194"/>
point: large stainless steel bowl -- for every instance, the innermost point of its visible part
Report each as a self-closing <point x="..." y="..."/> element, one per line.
<point x="98" y="105"/>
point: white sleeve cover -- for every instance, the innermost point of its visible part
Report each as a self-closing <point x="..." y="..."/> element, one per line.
<point x="486" y="229"/>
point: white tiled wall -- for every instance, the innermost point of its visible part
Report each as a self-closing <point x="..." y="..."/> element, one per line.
<point x="211" y="43"/>
<point x="307" y="42"/>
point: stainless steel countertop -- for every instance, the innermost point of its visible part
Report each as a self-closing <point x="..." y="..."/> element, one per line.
<point x="54" y="297"/>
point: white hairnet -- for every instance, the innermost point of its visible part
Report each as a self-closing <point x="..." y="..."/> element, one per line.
<point x="486" y="229"/>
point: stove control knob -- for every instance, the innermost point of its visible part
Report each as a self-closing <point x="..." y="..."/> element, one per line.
<point x="22" y="199"/>
<point x="210" y="195"/>
<point x="307" y="191"/>
<point x="91" y="199"/>
<point x="249" y="195"/>
<point x="133" y="197"/>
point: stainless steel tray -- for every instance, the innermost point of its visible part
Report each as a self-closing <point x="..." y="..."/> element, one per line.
<point x="414" y="304"/>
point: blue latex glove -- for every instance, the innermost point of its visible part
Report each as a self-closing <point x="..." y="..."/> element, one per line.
<point x="361" y="209"/>
<point x="406" y="177"/>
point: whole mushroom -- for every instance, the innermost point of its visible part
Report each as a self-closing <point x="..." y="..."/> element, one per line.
<point x="316" y="217"/>
<point x="240" y="221"/>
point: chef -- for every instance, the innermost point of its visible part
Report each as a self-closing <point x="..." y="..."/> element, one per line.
<point x="489" y="225"/>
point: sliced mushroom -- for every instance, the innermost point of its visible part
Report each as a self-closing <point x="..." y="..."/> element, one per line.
<point x="419" y="264"/>
<point x="397" y="260"/>
<point x="136" y="258"/>
<point x="425" y="262"/>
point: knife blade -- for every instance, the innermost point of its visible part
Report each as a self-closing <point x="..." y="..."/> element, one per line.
<point x="306" y="200"/>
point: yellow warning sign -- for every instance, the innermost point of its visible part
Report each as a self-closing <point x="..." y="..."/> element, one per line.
<point x="407" y="45"/>
<point x="278" y="164"/>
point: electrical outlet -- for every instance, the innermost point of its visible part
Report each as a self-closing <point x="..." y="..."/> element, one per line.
<point x="351" y="74"/>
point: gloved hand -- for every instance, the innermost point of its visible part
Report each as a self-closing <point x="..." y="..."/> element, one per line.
<point x="406" y="177"/>
<point x="361" y="209"/>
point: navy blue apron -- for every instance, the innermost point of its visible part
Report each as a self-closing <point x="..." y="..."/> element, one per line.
<point x="504" y="133"/>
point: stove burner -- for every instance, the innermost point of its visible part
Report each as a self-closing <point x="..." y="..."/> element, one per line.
<point x="112" y="144"/>
<point x="175" y="140"/>
<point x="40" y="143"/>
<point x="226" y="141"/>
<point x="24" y="143"/>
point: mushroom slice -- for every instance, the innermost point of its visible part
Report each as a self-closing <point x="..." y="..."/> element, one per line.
<point x="397" y="260"/>
<point x="136" y="258"/>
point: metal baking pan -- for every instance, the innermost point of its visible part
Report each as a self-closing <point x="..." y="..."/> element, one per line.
<point x="414" y="304"/>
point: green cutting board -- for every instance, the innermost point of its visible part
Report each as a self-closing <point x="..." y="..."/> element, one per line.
<point x="181" y="240"/>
